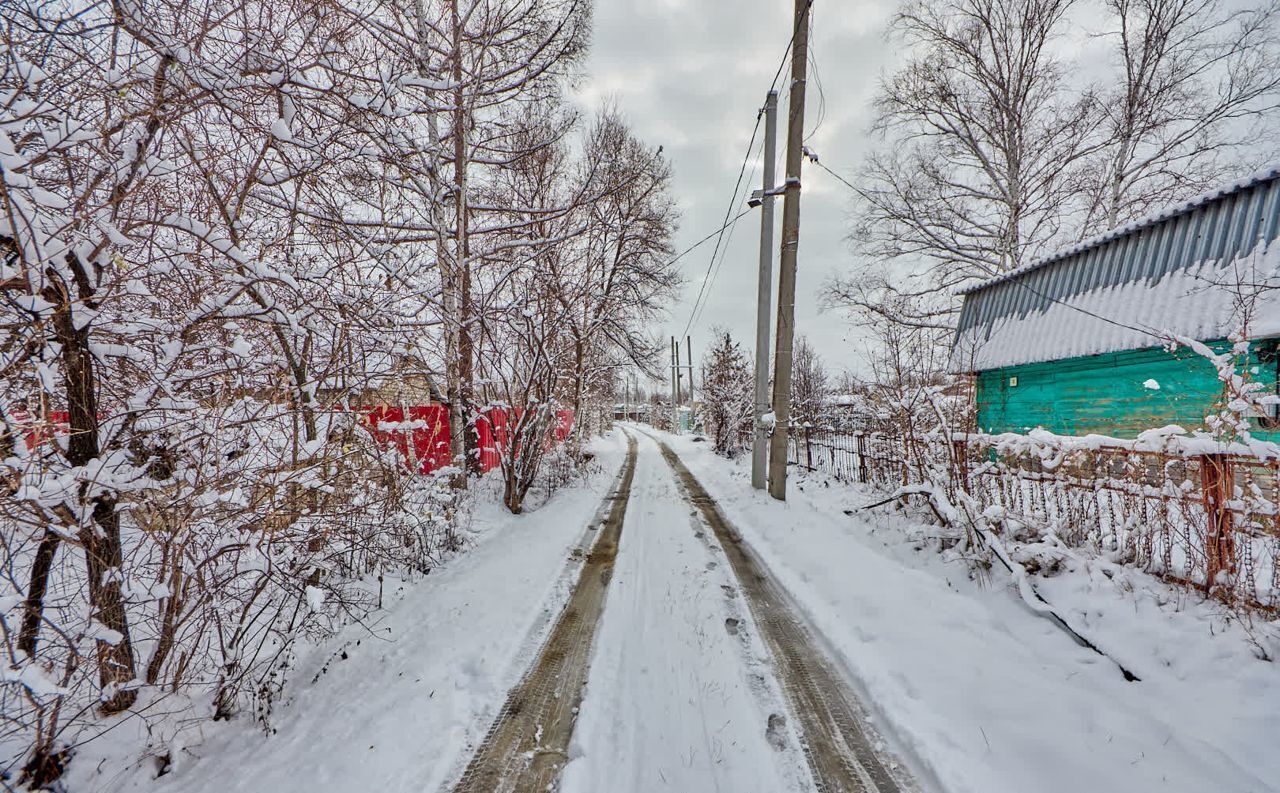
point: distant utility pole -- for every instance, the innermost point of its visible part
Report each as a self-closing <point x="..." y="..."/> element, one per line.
<point x="787" y="259"/>
<point x="764" y="293"/>
<point x="679" y="372"/>
<point x="688" y="341"/>
<point x="675" y="389"/>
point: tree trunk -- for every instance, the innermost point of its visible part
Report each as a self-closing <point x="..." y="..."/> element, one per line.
<point x="579" y="379"/>
<point x="33" y="608"/>
<point x="462" y="248"/>
<point x="100" y="537"/>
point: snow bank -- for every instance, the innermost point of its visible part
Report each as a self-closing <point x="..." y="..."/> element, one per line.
<point x="396" y="703"/>
<point x="984" y="695"/>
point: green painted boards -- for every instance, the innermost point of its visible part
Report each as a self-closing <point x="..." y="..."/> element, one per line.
<point x="1118" y="394"/>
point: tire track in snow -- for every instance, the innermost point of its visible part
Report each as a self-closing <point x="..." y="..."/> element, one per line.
<point x="527" y="745"/>
<point x="841" y="757"/>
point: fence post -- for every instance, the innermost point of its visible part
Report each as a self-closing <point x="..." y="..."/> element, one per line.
<point x="808" y="449"/>
<point x="1217" y="485"/>
<point x="862" y="459"/>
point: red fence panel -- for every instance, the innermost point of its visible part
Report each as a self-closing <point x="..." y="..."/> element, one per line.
<point x="491" y="437"/>
<point x="564" y="424"/>
<point x="420" y="433"/>
<point x="422" y="436"/>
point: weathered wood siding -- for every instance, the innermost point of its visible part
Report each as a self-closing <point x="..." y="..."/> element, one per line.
<point x="1105" y="394"/>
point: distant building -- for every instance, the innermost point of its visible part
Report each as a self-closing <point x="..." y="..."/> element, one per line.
<point x="630" y="411"/>
<point x="1076" y="342"/>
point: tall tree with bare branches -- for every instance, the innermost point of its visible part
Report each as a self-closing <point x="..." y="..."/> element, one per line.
<point x="984" y="139"/>
<point x="1196" y="83"/>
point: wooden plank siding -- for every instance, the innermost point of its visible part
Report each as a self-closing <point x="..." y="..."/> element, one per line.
<point x="1104" y="394"/>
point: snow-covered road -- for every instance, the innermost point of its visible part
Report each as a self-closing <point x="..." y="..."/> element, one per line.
<point x="679" y="696"/>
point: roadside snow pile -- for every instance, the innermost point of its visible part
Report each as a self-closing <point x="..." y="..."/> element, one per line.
<point x="980" y="692"/>
<point x="393" y="701"/>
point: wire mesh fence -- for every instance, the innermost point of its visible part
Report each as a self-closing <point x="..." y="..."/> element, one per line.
<point x="1206" y="519"/>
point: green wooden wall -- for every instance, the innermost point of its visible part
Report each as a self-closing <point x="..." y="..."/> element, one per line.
<point x="1105" y="394"/>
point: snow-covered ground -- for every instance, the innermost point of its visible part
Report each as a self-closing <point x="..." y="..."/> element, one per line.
<point x="678" y="698"/>
<point x="402" y="702"/>
<point x="976" y="691"/>
<point x="980" y="693"/>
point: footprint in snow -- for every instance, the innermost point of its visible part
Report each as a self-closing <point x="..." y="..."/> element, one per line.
<point x="776" y="731"/>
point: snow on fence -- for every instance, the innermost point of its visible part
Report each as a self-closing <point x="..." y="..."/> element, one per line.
<point x="1188" y="509"/>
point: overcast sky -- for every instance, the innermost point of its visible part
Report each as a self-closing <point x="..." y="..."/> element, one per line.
<point x="690" y="76"/>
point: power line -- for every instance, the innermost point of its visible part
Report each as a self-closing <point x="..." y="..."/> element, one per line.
<point x="707" y="238"/>
<point x="813" y="158"/>
<point x="822" y="94"/>
<point x="790" y="42"/>
<point x="709" y="277"/>
<point x="995" y="274"/>
<point x="724" y="249"/>
<point x="733" y="201"/>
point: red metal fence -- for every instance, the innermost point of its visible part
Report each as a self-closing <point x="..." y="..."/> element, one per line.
<point x="1208" y="520"/>
<point x="421" y="433"/>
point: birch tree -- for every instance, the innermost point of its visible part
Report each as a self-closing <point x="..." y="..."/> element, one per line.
<point x="985" y="137"/>
<point x="1197" y="84"/>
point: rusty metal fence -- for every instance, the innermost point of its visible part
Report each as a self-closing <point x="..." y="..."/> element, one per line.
<point x="1207" y="520"/>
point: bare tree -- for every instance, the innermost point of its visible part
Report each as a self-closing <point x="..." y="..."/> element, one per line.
<point x="1197" y="82"/>
<point x="581" y="267"/>
<point x="810" y="384"/>
<point x="223" y="228"/>
<point x="985" y="137"/>
<point x="494" y="57"/>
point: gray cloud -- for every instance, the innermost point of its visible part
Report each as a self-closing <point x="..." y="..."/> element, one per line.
<point x="690" y="76"/>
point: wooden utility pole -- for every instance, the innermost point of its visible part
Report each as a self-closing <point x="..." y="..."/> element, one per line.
<point x="764" y="297"/>
<point x="787" y="258"/>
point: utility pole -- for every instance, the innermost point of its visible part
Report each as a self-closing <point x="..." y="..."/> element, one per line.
<point x="635" y="389"/>
<point x="675" y="393"/>
<point x="689" y="346"/>
<point x="679" y="372"/>
<point x="787" y="258"/>
<point x="764" y="294"/>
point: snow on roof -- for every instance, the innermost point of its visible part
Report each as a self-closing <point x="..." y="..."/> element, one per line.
<point x="1179" y="271"/>
<point x="1264" y="175"/>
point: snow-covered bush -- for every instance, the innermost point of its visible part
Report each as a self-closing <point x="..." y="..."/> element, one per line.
<point x="183" y="305"/>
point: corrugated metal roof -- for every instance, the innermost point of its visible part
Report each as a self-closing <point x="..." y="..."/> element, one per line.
<point x="1132" y="287"/>
<point x="1266" y="175"/>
